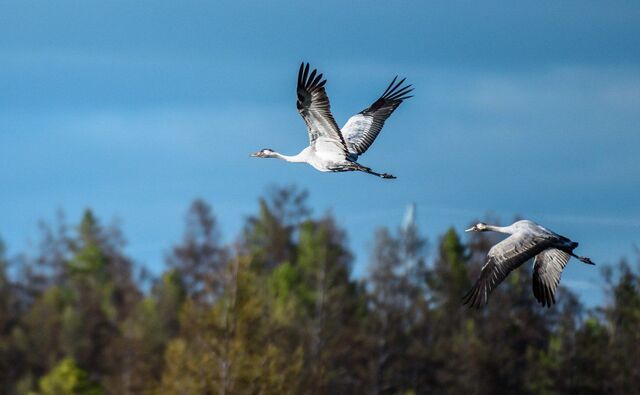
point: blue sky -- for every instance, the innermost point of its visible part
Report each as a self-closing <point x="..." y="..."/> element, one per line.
<point x="136" y="108"/>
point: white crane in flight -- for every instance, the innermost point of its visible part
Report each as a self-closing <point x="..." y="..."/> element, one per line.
<point x="332" y="149"/>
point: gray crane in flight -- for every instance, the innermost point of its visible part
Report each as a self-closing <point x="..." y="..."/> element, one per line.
<point x="527" y="240"/>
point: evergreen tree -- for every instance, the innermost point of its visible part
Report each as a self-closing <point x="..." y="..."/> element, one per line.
<point x="12" y="358"/>
<point x="398" y="323"/>
<point x="230" y="348"/>
<point x="325" y="303"/>
<point x="269" y="236"/>
<point x="200" y="259"/>
<point x="80" y="314"/>
<point x="150" y="328"/>
<point x="457" y="348"/>
<point x="623" y="319"/>
<point x="49" y="265"/>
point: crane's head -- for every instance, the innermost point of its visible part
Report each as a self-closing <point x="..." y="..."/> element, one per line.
<point x="479" y="227"/>
<point x="264" y="153"/>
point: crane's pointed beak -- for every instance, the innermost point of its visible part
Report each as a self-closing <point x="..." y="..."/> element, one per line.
<point x="470" y="229"/>
<point x="255" y="154"/>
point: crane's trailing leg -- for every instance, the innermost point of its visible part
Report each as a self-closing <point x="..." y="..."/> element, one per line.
<point x="383" y="175"/>
<point x="359" y="167"/>
<point x="583" y="259"/>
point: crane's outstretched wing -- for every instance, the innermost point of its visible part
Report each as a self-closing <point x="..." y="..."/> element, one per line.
<point x="505" y="256"/>
<point x="313" y="105"/>
<point x="362" y="129"/>
<point x="547" y="268"/>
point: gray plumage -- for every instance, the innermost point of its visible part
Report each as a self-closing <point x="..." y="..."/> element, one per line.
<point x="527" y="240"/>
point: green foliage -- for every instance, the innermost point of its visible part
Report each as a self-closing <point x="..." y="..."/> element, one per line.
<point x="67" y="379"/>
<point x="289" y="291"/>
<point x="268" y="237"/>
<point x="449" y="279"/>
<point x="229" y="347"/>
<point x="279" y="312"/>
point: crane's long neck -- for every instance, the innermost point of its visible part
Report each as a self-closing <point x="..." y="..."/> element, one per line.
<point x="300" y="158"/>
<point x="501" y="229"/>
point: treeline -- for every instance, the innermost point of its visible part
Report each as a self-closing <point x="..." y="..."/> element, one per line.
<point x="278" y="312"/>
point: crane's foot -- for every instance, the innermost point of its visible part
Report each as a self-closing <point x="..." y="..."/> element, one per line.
<point x="586" y="260"/>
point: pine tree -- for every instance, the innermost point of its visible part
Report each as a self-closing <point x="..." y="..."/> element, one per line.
<point x="231" y="347"/>
<point x="200" y="259"/>
<point x="457" y="348"/>
<point x="398" y="324"/>
<point x="12" y="358"/>
<point x="269" y="236"/>
<point x="623" y="319"/>
<point x="326" y="301"/>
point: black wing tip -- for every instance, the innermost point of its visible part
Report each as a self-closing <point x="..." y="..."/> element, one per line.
<point x="544" y="295"/>
<point x="473" y="300"/>
<point x="546" y="303"/>
<point x="309" y="81"/>
<point x="390" y="99"/>
<point x="395" y="91"/>
<point x="390" y="85"/>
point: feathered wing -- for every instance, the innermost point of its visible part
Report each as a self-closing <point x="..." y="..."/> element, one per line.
<point x="547" y="269"/>
<point x="362" y="129"/>
<point x="505" y="256"/>
<point x="313" y="105"/>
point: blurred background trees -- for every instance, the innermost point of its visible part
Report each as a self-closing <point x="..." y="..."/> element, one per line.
<point x="278" y="311"/>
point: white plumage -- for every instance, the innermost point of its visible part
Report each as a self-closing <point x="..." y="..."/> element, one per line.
<point x="332" y="149"/>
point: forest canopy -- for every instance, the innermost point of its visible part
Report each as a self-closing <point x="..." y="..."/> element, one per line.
<point x="278" y="311"/>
